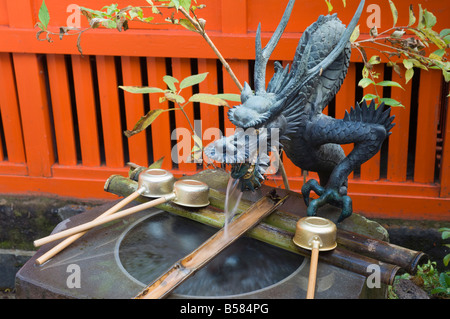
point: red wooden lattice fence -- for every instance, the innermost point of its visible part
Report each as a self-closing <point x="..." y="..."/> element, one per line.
<point x="63" y="116"/>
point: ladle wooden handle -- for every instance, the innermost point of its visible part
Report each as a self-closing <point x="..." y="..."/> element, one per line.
<point x="68" y="241"/>
<point x="103" y="220"/>
<point x="313" y="271"/>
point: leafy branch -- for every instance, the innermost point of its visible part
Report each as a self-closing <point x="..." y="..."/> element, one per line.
<point x="173" y="94"/>
<point x="404" y="47"/>
<point x="113" y="17"/>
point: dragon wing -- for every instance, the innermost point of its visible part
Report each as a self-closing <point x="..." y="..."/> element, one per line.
<point x="318" y="70"/>
<point x="306" y="95"/>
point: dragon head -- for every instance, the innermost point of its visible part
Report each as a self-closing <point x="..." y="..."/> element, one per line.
<point x="247" y="151"/>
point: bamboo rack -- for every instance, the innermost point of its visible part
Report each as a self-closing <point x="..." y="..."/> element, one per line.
<point x="278" y="229"/>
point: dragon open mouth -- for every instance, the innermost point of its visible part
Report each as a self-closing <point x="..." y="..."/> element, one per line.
<point x="247" y="152"/>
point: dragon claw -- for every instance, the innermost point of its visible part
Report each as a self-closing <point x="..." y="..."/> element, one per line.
<point x="309" y="186"/>
<point x="326" y="196"/>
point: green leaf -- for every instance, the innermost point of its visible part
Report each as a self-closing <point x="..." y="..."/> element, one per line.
<point x="438" y="290"/>
<point x="208" y="99"/>
<point x="355" y="34"/>
<point x="421" y="23"/>
<point x="430" y="19"/>
<point x="437" y="55"/>
<point x="186" y="4"/>
<point x="144" y="122"/>
<point x="412" y="17"/>
<point x="136" y="12"/>
<point x="446" y="234"/>
<point x="188" y="25"/>
<point x="193" y="80"/>
<point x="389" y="83"/>
<point x="434" y="37"/>
<point x="444" y="280"/>
<point x="157" y="164"/>
<point x="365" y="82"/>
<point x="109" y="24"/>
<point x="229" y="97"/>
<point x="374" y="59"/>
<point x="446" y="260"/>
<point x="170" y="81"/>
<point x="418" y="64"/>
<point x="174" y="97"/>
<point x="444" y="32"/>
<point x="390" y="102"/>
<point x="394" y="12"/>
<point x="446" y="39"/>
<point x="408" y="64"/>
<point x="369" y="97"/>
<point x="141" y="89"/>
<point x="44" y="16"/>
<point x="408" y="75"/>
<point x="329" y="6"/>
<point x="175" y="3"/>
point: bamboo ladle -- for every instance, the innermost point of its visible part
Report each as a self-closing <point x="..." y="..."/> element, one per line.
<point x="152" y="183"/>
<point x="190" y="193"/>
<point x="316" y="234"/>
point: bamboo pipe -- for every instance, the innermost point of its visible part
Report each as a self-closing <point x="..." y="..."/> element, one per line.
<point x="68" y="241"/>
<point x="184" y="268"/>
<point x="268" y="233"/>
<point x="405" y="258"/>
<point x="100" y="221"/>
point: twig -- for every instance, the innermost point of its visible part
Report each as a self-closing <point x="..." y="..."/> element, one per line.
<point x="205" y="36"/>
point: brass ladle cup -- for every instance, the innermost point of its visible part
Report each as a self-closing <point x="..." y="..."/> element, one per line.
<point x="315" y="234"/>
<point x="190" y="193"/>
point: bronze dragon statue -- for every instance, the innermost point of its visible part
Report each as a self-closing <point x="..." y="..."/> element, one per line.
<point x="292" y="104"/>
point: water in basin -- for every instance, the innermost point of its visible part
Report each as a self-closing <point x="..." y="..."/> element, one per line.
<point x="152" y="246"/>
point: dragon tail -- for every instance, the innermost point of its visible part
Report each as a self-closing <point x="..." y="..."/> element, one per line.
<point x="371" y="114"/>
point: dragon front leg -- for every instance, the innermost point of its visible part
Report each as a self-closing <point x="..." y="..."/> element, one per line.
<point x="366" y="127"/>
<point x="327" y="196"/>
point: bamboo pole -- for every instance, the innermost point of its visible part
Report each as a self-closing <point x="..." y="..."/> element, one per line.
<point x="100" y="221"/>
<point x="68" y="241"/>
<point x="265" y="232"/>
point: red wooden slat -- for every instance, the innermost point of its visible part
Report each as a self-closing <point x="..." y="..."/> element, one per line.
<point x="21" y="13"/>
<point x="398" y="140"/>
<point x="445" y="162"/>
<point x="370" y="170"/>
<point x="240" y="69"/>
<point x="34" y="113"/>
<point x="429" y="93"/>
<point x="62" y="112"/>
<point x="87" y="118"/>
<point x="235" y="11"/>
<point x="181" y="68"/>
<point x="161" y="126"/>
<point x="9" y="107"/>
<point x="110" y="111"/>
<point x="134" y="109"/>
<point x="209" y="114"/>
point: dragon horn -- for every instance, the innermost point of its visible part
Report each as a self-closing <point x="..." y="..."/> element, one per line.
<point x="263" y="55"/>
<point x="341" y="44"/>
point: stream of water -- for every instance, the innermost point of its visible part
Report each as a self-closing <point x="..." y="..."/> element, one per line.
<point x="232" y="199"/>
